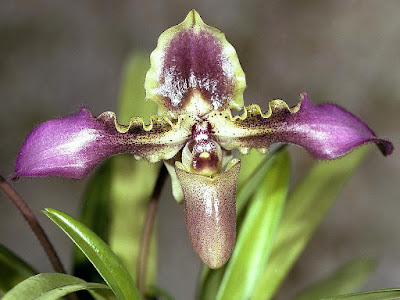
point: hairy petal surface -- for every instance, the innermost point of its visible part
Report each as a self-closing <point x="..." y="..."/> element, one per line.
<point x="74" y="145"/>
<point x="210" y="212"/>
<point x="194" y="70"/>
<point x="327" y="131"/>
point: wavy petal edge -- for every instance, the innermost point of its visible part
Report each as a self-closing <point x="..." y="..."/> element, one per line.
<point x="72" y="146"/>
<point x="234" y="127"/>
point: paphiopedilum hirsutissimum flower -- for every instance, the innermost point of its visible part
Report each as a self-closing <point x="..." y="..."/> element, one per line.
<point x="196" y="79"/>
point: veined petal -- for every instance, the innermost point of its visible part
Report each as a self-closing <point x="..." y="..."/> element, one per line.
<point x="194" y="70"/>
<point x="210" y="212"/>
<point x="327" y="131"/>
<point x="74" y="145"/>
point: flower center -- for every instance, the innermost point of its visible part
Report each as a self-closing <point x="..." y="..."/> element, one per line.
<point x="202" y="154"/>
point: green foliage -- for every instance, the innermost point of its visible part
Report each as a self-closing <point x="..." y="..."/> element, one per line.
<point x="115" y="201"/>
<point x="257" y="231"/>
<point x="258" y="274"/>
<point x="250" y="163"/>
<point x="158" y="293"/>
<point x="384" y="294"/>
<point x="254" y="175"/>
<point x="346" y="279"/>
<point x="132" y="93"/>
<point x="100" y="255"/>
<point x="96" y="212"/>
<point x="13" y="270"/>
<point x="303" y="212"/>
<point x="49" y="286"/>
<point x="132" y="182"/>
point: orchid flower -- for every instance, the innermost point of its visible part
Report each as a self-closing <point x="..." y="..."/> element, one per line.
<point x="196" y="79"/>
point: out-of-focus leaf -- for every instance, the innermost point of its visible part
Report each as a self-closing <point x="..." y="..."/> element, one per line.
<point x="158" y="293"/>
<point x="132" y="94"/>
<point x="132" y="182"/>
<point x="250" y="163"/>
<point x="255" y="174"/>
<point x="346" y="279"/>
<point x="13" y="270"/>
<point x="256" y="234"/>
<point x="101" y="294"/>
<point x="132" y="185"/>
<point x="49" y="286"/>
<point x="96" y="212"/>
<point x="100" y="255"/>
<point x="211" y="279"/>
<point x="303" y="212"/>
<point x="384" y="294"/>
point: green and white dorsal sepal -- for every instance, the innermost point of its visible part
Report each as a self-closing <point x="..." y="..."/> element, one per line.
<point x="194" y="70"/>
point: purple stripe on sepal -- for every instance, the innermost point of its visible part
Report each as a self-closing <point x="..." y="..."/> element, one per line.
<point x="327" y="131"/>
<point x="194" y="61"/>
<point x="72" y="146"/>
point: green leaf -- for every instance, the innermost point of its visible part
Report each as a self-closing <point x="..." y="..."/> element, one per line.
<point x="210" y="281"/>
<point x="101" y="294"/>
<point x="114" y="204"/>
<point x="132" y="185"/>
<point x="158" y="293"/>
<point x="256" y="234"/>
<point x="49" y="286"/>
<point x="303" y="212"/>
<point x="132" y="182"/>
<point x="132" y="93"/>
<point x="346" y="279"/>
<point x="13" y="270"/>
<point x="384" y="294"/>
<point x="250" y="163"/>
<point x="96" y="212"/>
<point x="254" y="173"/>
<point x="100" y="255"/>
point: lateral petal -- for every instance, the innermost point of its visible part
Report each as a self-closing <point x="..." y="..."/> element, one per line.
<point x="327" y="131"/>
<point x="74" y="145"/>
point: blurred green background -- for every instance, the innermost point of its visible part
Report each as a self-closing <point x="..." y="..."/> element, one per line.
<point x="56" y="56"/>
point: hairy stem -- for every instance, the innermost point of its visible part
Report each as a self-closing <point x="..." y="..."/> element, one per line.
<point x="33" y="223"/>
<point x="148" y="229"/>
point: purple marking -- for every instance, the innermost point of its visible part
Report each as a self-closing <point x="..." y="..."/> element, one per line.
<point x="74" y="145"/>
<point x="194" y="61"/>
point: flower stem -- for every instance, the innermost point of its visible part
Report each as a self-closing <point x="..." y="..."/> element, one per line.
<point x="147" y="231"/>
<point x="33" y="223"/>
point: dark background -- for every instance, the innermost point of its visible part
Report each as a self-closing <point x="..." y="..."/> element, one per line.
<point x="58" y="55"/>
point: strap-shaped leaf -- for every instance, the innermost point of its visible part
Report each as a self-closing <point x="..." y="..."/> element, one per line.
<point x="96" y="211"/>
<point x="303" y="212"/>
<point x="130" y="190"/>
<point x="383" y="294"/>
<point x="49" y="286"/>
<point x="257" y="232"/>
<point x="250" y="163"/>
<point x="346" y="279"/>
<point x="13" y="270"/>
<point x="100" y="255"/>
